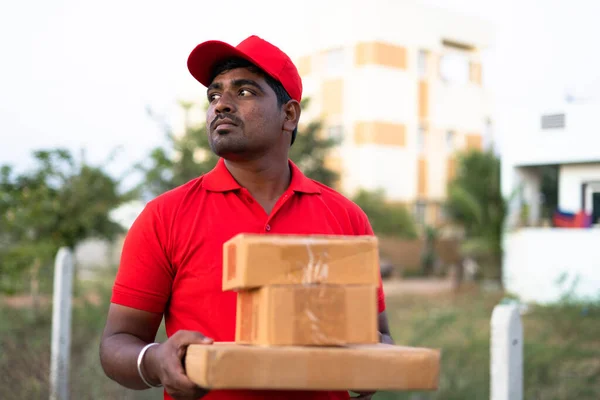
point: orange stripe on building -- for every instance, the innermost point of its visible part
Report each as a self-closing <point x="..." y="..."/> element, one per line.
<point x="422" y="177"/>
<point x="381" y="133"/>
<point x="474" y="141"/>
<point x="451" y="162"/>
<point x="475" y="72"/>
<point x="304" y="65"/>
<point x="332" y="95"/>
<point x="378" y="53"/>
<point x="423" y="99"/>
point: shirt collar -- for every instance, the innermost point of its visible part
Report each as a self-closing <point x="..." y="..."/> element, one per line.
<point x="219" y="179"/>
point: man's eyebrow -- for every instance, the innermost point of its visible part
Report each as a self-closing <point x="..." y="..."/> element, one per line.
<point x="215" y="85"/>
<point x="236" y="83"/>
<point x="249" y="82"/>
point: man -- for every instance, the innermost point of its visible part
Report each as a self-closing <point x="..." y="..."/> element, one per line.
<point x="171" y="262"/>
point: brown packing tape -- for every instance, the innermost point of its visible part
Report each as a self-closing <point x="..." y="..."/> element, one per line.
<point x="319" y="313"/>
<point x="310" y="263"/>
<point x="307" y="315"/>
<point x="314" y="313"/>
<point x="259" y="260"/>
<point x="358" y="367"/>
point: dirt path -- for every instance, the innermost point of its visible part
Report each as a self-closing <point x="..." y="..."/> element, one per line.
<point x="417" y="286"/>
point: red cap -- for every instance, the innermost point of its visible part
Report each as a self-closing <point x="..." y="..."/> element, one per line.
<point x="259" y="52"/>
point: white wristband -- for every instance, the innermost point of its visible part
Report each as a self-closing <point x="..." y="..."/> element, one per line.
<point x="139" y="365"/>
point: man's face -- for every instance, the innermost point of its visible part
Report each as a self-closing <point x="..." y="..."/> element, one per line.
<point x="243" y="118"/>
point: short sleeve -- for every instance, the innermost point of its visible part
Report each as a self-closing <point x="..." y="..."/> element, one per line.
<point x="368" y="230"/>
<point x="145" y="276"/>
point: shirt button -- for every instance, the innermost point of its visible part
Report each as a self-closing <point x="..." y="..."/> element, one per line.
<point x="268" y="228"/>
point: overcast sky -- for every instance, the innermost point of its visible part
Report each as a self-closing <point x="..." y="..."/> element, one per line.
<point x="80" y="73"/>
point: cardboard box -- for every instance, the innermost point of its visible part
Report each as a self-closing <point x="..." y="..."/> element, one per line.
<point x="307" y="315"/>
<point x="360" y="367"/>
<point x="252" y="260"/>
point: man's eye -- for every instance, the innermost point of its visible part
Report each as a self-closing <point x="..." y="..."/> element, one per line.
<point x="214" y="96"/>
<point x="245" y="93"/>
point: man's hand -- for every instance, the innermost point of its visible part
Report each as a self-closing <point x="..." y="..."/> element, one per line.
<point x="164" y="364"/>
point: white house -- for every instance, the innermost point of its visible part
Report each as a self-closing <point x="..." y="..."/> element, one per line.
<point x="537" y="255"/>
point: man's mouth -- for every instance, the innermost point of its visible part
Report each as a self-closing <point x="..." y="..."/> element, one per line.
<point x="224" y="125"/>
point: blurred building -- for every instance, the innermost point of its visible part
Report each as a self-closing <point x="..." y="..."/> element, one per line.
<point x="401" y="86"/>
<point x="94" y="255"/>
<point x="542" y="249"/>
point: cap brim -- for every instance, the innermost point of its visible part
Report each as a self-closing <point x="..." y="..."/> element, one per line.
<point x="204" y="57"/>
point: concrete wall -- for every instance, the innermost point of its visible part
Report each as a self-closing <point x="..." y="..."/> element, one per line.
<point x="96" y="255"/>
<point x="373" y="166"/>
<point x="535" y="258"/>
<point x="577" y="142"/>
<point x="406" y="254"/>
<point x="460" y="107"/>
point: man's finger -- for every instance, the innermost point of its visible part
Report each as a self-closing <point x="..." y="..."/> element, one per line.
<point x="180" y="386"/>
<point x="189" y="337"/>
<point x="192" y="337"/>
<point x="184" y="384"/>
<point x="178" y="376"/>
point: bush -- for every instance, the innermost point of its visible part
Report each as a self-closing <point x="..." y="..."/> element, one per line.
<point x="561" y="352"/>
<point x="386" y="218"/>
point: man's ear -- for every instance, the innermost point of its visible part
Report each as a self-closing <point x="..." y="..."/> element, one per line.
<point x="292" y="115"/>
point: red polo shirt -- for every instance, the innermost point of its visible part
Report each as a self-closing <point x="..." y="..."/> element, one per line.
<point x="171" y="261"/>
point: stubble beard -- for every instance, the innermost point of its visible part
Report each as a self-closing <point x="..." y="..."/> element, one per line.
<point x="227" y="146"/>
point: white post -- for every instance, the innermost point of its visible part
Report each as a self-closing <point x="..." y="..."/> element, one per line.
<point x="506" y="350"/>
<point x="61" y="325"/>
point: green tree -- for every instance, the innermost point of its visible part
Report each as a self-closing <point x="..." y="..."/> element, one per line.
<point x="475" y="203"/>
<point x="386" y="218"/>
<point x="188" y="156"/>
<point x="59" y="202"/>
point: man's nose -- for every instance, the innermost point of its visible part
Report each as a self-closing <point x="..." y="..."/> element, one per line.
<point x="225" y="104"/>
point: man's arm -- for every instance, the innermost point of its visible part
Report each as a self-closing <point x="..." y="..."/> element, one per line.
<point x="127" y="331"/>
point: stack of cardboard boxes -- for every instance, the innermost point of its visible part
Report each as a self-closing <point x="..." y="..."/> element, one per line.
<point x="302" y="291"/>
<point x="307" y="319"/>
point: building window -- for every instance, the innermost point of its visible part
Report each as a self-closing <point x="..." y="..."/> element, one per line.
<point x="336" y="132"/>
<point x="442" y="213"/>
<point x="488" y="134"/>
<point x="334" y="62"/>
<point x="450" y="140"/>
<point x="419" y="212"/>
<point x="422" y="64"/>
<point x="455" y="67"/>
<point x="421" y="139"/>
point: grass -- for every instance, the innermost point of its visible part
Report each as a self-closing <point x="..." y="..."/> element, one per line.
<point x="562" y="348"/>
